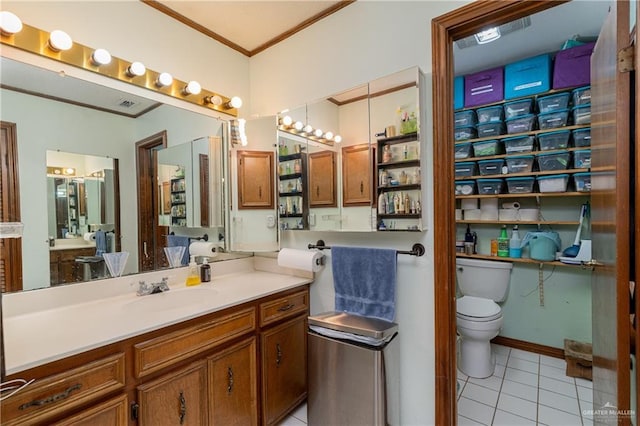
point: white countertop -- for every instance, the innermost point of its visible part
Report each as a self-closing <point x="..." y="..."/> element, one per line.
<point x="37" y="336"/>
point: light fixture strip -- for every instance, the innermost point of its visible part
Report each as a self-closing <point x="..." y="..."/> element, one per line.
<point x="34" y="40"/>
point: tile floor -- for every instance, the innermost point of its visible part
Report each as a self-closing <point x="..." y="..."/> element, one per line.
<point x="526" y="389"/>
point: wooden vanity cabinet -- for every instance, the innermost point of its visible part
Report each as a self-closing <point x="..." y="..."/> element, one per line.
<point x="255" y="180"/>
<point x="322" y="179"/>
<point x="114" y="412"/>
<point x="63" y="266"/>
<point x="356" y="175"/>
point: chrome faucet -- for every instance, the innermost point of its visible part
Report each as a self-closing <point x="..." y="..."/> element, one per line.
<point x="152" y="288"/>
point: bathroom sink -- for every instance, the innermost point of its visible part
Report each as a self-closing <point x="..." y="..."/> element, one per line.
<point x="172" y="299"/>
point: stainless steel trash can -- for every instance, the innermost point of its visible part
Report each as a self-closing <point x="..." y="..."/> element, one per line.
<point x="353" y="371"/>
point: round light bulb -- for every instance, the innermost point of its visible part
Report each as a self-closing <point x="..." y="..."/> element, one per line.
<point x="59" y="40"/>
<point x="287" y="120"/>
<point x="337" y="138"/>
<point x="69" y="171"/>
<point x="298" y="125"/>
<point x="235" y="102"/>
<point x="192" y="88"/>
<point x="164" y="79"/>
<point x="308" y="128"/>
<point x="318" y="133"/>
<point x="214" y="100"/>
<point x="136" y="69"/>
<point x="101" y="57"/>
<point x="328" y="136"/>
<point x="9" y="23"/>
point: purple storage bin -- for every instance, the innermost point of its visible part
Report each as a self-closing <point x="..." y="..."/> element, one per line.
<point x="573" y="67"/>
<point x="484" y="87"/>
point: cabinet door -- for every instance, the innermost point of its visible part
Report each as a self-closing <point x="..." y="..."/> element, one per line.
<point x="233" y="385"/>
<point x="356" y="175"/>
<point x="322" y="179"/>
<point x="255" y="180"/>
<point x="178" y="398"/>
<point x="284" y="369"/>
<point x="110" y="413"/>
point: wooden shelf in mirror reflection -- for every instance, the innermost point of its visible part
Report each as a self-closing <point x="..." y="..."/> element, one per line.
<point x="399" y="164"/>
<point x="515" y="260"/>
<point x="405" y="187"/>
<point x="290" y="215"/>
<point x="290" y="176"/>
<point x="295" y="156"/>
<point x="291" y="194"/>
<point x="409" y="137"/>
<point x="400" y="216"/>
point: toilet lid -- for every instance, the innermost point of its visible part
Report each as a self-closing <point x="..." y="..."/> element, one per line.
<point x="477" y="307"/>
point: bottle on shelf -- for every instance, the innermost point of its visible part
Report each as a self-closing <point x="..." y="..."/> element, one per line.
<point x="386" y="154"/>
<point x="514" y="243"/>
<point x="468" y="236"/>
<point x="407" y="204"/>
<point x="503" y="242"/>
<point x="382" y="204"/>
<point x="475" y="242"/>
<point x="205" y="271"/>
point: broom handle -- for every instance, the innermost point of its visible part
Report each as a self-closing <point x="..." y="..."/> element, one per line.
<point x="583" y="212"/>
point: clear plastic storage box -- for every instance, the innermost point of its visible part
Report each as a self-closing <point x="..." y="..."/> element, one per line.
<point x="465" y="187"/>
<point x="553" y="161"/>
<point x="581" y="96"/>
<point x="552" y="120"/>
<point x="490" y="167"/>
<point x="490" y="186"/>
<point x="581" y="114"/>
<point x="518" y="108"/>
<point x="484" y="148"/>
<point x="581" y="137"/>
<point x="462" y="150"/>
<point x="465" y="118"/>
<point x="521" y="124"/>
<point x="487" y="130"/>
<point x="582" y="159"/>
<point x="554" y="140"/>
<point x="489" y="114"/>
<point x="553" y="183"/>
<point x="553" y="103"/>
<point x="519" y="144"/>
<point x="582" y="182"/>
<point x="464" y="133"/>
<point x="466" y="169"/>
<point x="520" y="164"/>
<point x="520" y="185"/>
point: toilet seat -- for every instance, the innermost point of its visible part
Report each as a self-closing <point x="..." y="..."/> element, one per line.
<point x="477" y="309"/>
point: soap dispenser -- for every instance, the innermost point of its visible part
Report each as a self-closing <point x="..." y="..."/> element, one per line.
<point x="205" y="271"/>
<point x="193" y="278"/>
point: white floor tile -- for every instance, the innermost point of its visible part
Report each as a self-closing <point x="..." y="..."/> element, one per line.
<point x="587" y="422"/>
<point x="529" y="356"/>
<point x="292" y="421"/>
<point x="559" y="402"/>
<point x="586" y="409"/>
<point x="556" y="373"/>
<point x="499" y="349"/>
<point x="480" y="394"/>
<point x="492" y="382"/>
<point x="521" y="377"/>
<point x="461" y="375"/>
<point x="502" y="418"/>
<point x="518" y="406"/>
<point x="463" y="421"/>
<point x="460" y="388"/>
<point x="585" y="394"/>
<point x="558" y="386"/>
<point x="530" y="393"/>
<point x="522" y="364"/>
<point x="475" y="410"/>
<point x="584" y="383"/>
<point x="501" y="359"/>
<point x="301" y="412"/>
<point x="552" y="417"/>
<point x="553" y="362"/>
<point x="499" y="371"/>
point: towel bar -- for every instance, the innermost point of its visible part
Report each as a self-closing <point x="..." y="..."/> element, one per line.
<point x="416" y="250"/>
<point x="205" y="237"/>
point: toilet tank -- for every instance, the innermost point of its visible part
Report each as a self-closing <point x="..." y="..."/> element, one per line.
<point x="483" y="278"/>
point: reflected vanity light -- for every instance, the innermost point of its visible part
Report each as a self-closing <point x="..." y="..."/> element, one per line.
<point x="101" y="57"/>
<point x="136" y="69"/>
<point x="59" y="41"/>
<point x="164" y="79"/>
<point x="192" y="88"/>
<point x="328" y="136"/>
<point x="235" y="102"/>
<point x="9" y="23"/>
<point x="213" y="100"/>
<point x="308" y="129"/>
<point x="337" y="139"/>
<point x="298" y="125"/>
<point x="287" y="120"/>
<point x="318" y="133"/>
<point x="286" y="124"/>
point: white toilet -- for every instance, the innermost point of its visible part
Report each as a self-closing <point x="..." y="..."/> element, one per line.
<point x="482" y="283"/>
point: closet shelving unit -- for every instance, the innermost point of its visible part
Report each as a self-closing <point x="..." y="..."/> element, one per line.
<point x="178" y="202"/>
<point x="289" y="189"/>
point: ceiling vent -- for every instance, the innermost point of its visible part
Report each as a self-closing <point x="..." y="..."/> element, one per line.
<point x="503" y="29"/>
<point x="126" y="103"/>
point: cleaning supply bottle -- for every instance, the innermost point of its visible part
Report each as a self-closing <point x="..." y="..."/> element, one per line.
<point x="205" y="271"/>
<point x="514" y="243"/>
<point x="193" y="277"/>
<point x="468" y="236"/>
<point x="503" y="242"/>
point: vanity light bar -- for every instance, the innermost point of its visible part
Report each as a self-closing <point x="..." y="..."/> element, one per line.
<point x="286" y="124"/>
<point x="30" y="39"/>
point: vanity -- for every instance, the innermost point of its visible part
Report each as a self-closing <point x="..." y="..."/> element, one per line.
<point x="232" y="351"/>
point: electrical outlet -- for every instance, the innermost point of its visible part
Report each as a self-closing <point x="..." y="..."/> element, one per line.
<point x="271" y="221"/>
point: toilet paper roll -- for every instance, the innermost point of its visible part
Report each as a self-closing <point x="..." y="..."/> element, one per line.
<point x="489" y="215"/>
<point x="458" y="214"/>
<point x="90" y="236"/>
<point x="305" y="260"/>
<point x="514" y="205"/>
<point x="202" y="248"/>
<point x="469" y="203"/>
<point x="508" y="215"/>
<point x="489" y="204"/>
<point x="472" y="214"/>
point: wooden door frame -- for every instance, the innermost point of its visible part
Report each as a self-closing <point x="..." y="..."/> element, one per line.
<point x="12" y="247"/>
<point x="457" y="24"/>
<point x="147" y="187"/>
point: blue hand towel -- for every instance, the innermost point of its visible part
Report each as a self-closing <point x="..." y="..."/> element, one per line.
<point x="364" y="280"/>
<point x="101" y="243"/>
<point x="180" y="241"/>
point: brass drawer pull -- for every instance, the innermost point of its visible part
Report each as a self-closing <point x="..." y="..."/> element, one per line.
<point x="278" y="354"/>
<point x="286" y="308"/>
<point x="57" y="397"/>
<point x="230" y="380"/>
<point x="183" y="407"/>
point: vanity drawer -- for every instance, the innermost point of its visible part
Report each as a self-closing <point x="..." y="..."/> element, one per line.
<point x="284" y="307"/>
<point x="62" y="392"/>
<point x="164" y="351"/>
<point x="112" y="412"/>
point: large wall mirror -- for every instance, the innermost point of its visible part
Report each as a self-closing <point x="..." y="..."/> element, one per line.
<point x="57" y="116"/>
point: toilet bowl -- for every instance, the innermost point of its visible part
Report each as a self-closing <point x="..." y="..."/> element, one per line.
<point x="478" y="316"/>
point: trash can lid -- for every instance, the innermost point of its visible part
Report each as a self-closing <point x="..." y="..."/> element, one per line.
<point x="356" y="324"/>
